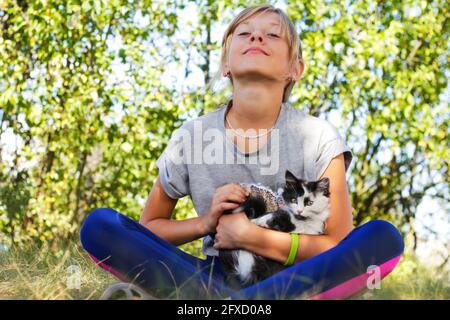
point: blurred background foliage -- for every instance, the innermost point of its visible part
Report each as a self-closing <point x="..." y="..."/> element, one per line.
<point x="90" y="92"/>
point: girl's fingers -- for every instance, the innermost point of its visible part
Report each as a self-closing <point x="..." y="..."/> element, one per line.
<point x="233" y="187"/>
<point x="239" y="191"/>
<point x="243" y="191"/>
<point x="231" y="192"/>
<point x="236" y="197"/>
<point x="231" y="196"/>
<point x="228" y="205"/>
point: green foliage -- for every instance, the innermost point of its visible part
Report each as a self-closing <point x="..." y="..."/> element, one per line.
<point x="383" y="66"/>
<point x="59" y="94"/>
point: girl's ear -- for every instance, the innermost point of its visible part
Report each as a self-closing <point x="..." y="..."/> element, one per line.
<point x="296" y="75"/>
<point x="224" y="70"/>
<point x="224" y="67"/>
<point x="298" y="70"/>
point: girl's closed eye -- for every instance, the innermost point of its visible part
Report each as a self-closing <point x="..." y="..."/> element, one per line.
<point x="270" y="34"/>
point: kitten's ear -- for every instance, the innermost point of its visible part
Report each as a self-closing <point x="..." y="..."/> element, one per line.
<point x="323" y="185"/>
<point x="290" y="178"/>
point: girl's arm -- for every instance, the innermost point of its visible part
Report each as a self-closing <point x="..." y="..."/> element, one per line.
<point x="157" y="218"/>
<point x="275" y="245"/>
<point x="158" y="211"/>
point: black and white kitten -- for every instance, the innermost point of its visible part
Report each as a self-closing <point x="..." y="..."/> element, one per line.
<point x="299" y="207"/>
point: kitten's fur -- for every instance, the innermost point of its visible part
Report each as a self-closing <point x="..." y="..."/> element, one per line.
<point x="299" y="207"/>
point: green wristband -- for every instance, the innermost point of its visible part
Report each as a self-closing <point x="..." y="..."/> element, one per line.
<point x="293" y="251"/>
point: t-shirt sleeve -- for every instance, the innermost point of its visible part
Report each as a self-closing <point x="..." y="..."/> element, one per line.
<point x="331" y="144"/>
<point x="173" y="172"/>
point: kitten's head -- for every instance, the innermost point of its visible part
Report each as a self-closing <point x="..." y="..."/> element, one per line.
<point x="306" y="199"/>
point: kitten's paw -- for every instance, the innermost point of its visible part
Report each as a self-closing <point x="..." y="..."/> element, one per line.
<point x="262" y="221"/>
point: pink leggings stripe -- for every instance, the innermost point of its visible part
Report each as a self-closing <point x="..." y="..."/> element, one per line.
<point x="355" y="285"/>
<point x="109" y="269"/>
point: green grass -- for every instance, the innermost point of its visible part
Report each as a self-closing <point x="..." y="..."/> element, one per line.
<point x="412" y="280"/>
<point x="31" y="273"/>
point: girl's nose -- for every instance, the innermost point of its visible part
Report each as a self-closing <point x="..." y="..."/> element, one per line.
<point x="256" y="35"/>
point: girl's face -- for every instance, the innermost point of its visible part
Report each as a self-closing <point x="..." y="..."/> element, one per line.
<point x="262" y="31"/>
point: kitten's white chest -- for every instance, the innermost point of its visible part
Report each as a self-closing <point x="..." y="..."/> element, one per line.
<point x="245" y="262"/>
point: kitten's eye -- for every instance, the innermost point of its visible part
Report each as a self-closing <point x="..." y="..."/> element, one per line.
<point x="308" y="202"/>
<point x="293" y="200"/>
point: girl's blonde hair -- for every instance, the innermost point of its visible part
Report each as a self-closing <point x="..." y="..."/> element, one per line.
<point x="287" y="28"/>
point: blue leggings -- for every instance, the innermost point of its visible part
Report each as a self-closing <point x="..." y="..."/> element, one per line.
<point x="133" y="253"/>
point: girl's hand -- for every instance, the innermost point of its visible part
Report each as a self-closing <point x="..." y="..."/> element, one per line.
<point x="232" y="231"/>
<point x="228" y="196"/>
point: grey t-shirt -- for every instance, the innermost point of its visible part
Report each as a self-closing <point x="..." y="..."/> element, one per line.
<point x="200" y="157"/>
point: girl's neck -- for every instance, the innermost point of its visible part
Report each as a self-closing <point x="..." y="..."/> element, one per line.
<point x="254" y="109"/>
